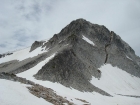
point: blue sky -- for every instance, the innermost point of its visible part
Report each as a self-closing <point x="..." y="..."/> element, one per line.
<point x="24" y="21"/>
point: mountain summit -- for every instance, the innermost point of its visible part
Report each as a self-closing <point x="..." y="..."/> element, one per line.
<point x="83" y="56"/>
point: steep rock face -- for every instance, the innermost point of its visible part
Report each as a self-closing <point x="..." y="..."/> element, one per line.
<point x="67" y="69"/>
<point x="100" y="35"/>
<point x="120" y="54"/>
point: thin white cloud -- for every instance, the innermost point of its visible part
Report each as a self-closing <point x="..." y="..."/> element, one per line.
<point x="24" y="21"/>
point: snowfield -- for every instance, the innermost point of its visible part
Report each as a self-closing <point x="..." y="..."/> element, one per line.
<point x="116" y="81"/>
<point x="23" y="54"/>
<point x="113" y="80"/>
<point x="15" y="93"/>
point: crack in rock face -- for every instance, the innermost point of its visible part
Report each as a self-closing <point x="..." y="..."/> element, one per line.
<point x="107" y="45"/>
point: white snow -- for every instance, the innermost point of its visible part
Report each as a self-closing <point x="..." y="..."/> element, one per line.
<point x="23" y="54"/>
<point x="16" y="55"/>
<point x="65" y="104"/>
<point x="106" y="83"/>
<point x="116" y="81"/>
<point x="89" y="41"/>
<point x="15" y="93"/>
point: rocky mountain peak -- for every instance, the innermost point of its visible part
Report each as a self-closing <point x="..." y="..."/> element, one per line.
<point x="80" y="49"/>
<point x="98" y="34"/>
<point x="78" y="59"/>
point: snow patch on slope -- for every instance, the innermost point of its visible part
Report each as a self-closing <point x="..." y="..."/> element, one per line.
<point x="129" y="58"/>
<point x="93" y="97"/>
<point x="16" y="55"/>
<point x="87" y="40"/>
<point x="116" y="81"/>
<point x="35" y="52"/>
<point x="15" y="93"/>
<point x="23" y="54"/>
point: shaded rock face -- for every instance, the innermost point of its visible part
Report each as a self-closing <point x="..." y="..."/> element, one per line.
<point x="67" y="69"/>
<point x="36" y="44"/>
<point x="120" y="54"/>
<point x="71" y="67"/>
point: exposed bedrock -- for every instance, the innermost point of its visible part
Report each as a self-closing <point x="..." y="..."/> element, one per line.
<point x="3" y="55"/>
<point x="36" y="44"/>
<point x="117" y="54"/>
<point x="67" y="69"/>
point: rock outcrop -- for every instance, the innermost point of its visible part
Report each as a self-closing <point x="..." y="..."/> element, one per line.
<point x="36" y="44"/>
<point x="3" y="55"/>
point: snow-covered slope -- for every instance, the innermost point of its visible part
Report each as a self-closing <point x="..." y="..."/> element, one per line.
<point x="17" y="55"/>
<point x="117" y="81"/>
<point x="15" y="93"/>
<point x="113" y="80"/>
<point x="23" y="54"/>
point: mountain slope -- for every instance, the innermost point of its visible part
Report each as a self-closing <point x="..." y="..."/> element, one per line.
<point x="84" y="61"/>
